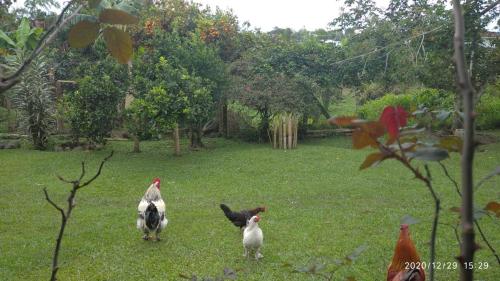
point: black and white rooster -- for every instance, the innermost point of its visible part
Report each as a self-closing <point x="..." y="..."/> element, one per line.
<point x="151" y="212"/>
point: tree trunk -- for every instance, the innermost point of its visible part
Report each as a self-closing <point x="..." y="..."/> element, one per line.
<point x="290" y="134"/>
<point x="196" y="134"/>
<point x="137" y="147"/>
<point x="177" y="144"/>
<point x="223" y="118"/>
<point x="467" y="93"/>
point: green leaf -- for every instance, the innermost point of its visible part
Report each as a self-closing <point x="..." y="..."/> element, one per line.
<point x="119" y="44"/>
<point x="83" y="33"/>
<point x="429" y="154"/>
<point x="7" y="39"/>
<point x="22" y="33"/>
<point x="113" y="16"/>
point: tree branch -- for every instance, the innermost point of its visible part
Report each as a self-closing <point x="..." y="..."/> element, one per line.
<point x="65" y="215"/>
<point x="437" y="201"/>
<point x="476" y="222"/>
<point x="457" y="189"/>
<point x="98" y="171"/>
<point x="465" y="88"/>
<point x="9" y="81"/>
<point x="47" y="197"/>
<point x="83" y="172"/>
<point x="487" y="177"/>
<point x="491" y="6"/>
<point x="437" y="207"/>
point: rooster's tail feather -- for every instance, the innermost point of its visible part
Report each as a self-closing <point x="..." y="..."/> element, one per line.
<point x="226" y="210"/>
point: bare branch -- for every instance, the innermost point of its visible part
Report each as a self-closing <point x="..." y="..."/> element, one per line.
<point x="98" y="172"/>
<point x="66" y="215"/>
<point x="455" y="230"/>
<point x="476" y="222"/>
<point x="83" y="172"/>
<point x="487" y="177"/>
<point x="493" y="251"/>
<point x="437" y="201"/>
<point x="64" y="180"/>
<point x="437" y="207"/>
<point x="47" y="197"/>
<point x="457" y="189"/>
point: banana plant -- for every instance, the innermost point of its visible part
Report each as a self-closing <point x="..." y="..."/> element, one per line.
<point x="21" y="40"/>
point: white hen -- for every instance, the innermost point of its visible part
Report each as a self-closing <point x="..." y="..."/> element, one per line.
<point x="151" y="210"/>
<point x="253" y="238"/>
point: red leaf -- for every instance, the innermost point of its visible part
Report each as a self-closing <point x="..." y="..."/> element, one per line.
<point x="367" y="134"/>
<point x="394" y="118"/>
<point x="361" y="139"/>
<point x="373" y="128"/>
<point x="493" y="207"/>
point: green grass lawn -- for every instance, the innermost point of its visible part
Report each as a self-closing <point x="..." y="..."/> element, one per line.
<point x="320" y="207"/>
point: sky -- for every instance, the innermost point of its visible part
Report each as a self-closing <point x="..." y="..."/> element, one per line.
<point x="296" y="14"/>
<point x="267" y="14"/>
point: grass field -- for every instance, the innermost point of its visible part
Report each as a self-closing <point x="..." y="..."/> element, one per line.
<point x="320" y="207"/>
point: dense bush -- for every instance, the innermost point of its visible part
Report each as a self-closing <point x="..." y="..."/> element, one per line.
<point x="488" y="109"/>
<point x="432" y="99"/>
<point x="92" y="108"/>
<point x="372" y="109"/>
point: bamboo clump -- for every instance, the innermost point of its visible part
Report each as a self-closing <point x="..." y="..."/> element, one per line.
<point x="284" y="128"/>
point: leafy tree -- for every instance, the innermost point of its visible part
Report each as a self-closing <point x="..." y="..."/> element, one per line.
<point x="92" y="108"/>
<point x="189" y="70"/>
<point x="139" y="121"/>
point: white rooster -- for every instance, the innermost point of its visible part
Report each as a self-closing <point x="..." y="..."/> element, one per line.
<point x="253" y="238"/>
<point x="151" y="209"/>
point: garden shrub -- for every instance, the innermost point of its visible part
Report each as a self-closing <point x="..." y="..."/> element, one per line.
<point x="488" y="110"/>
<point x="92" y="108"/>
<point x="433" y="99"/>
<point x="372" y="109"/>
